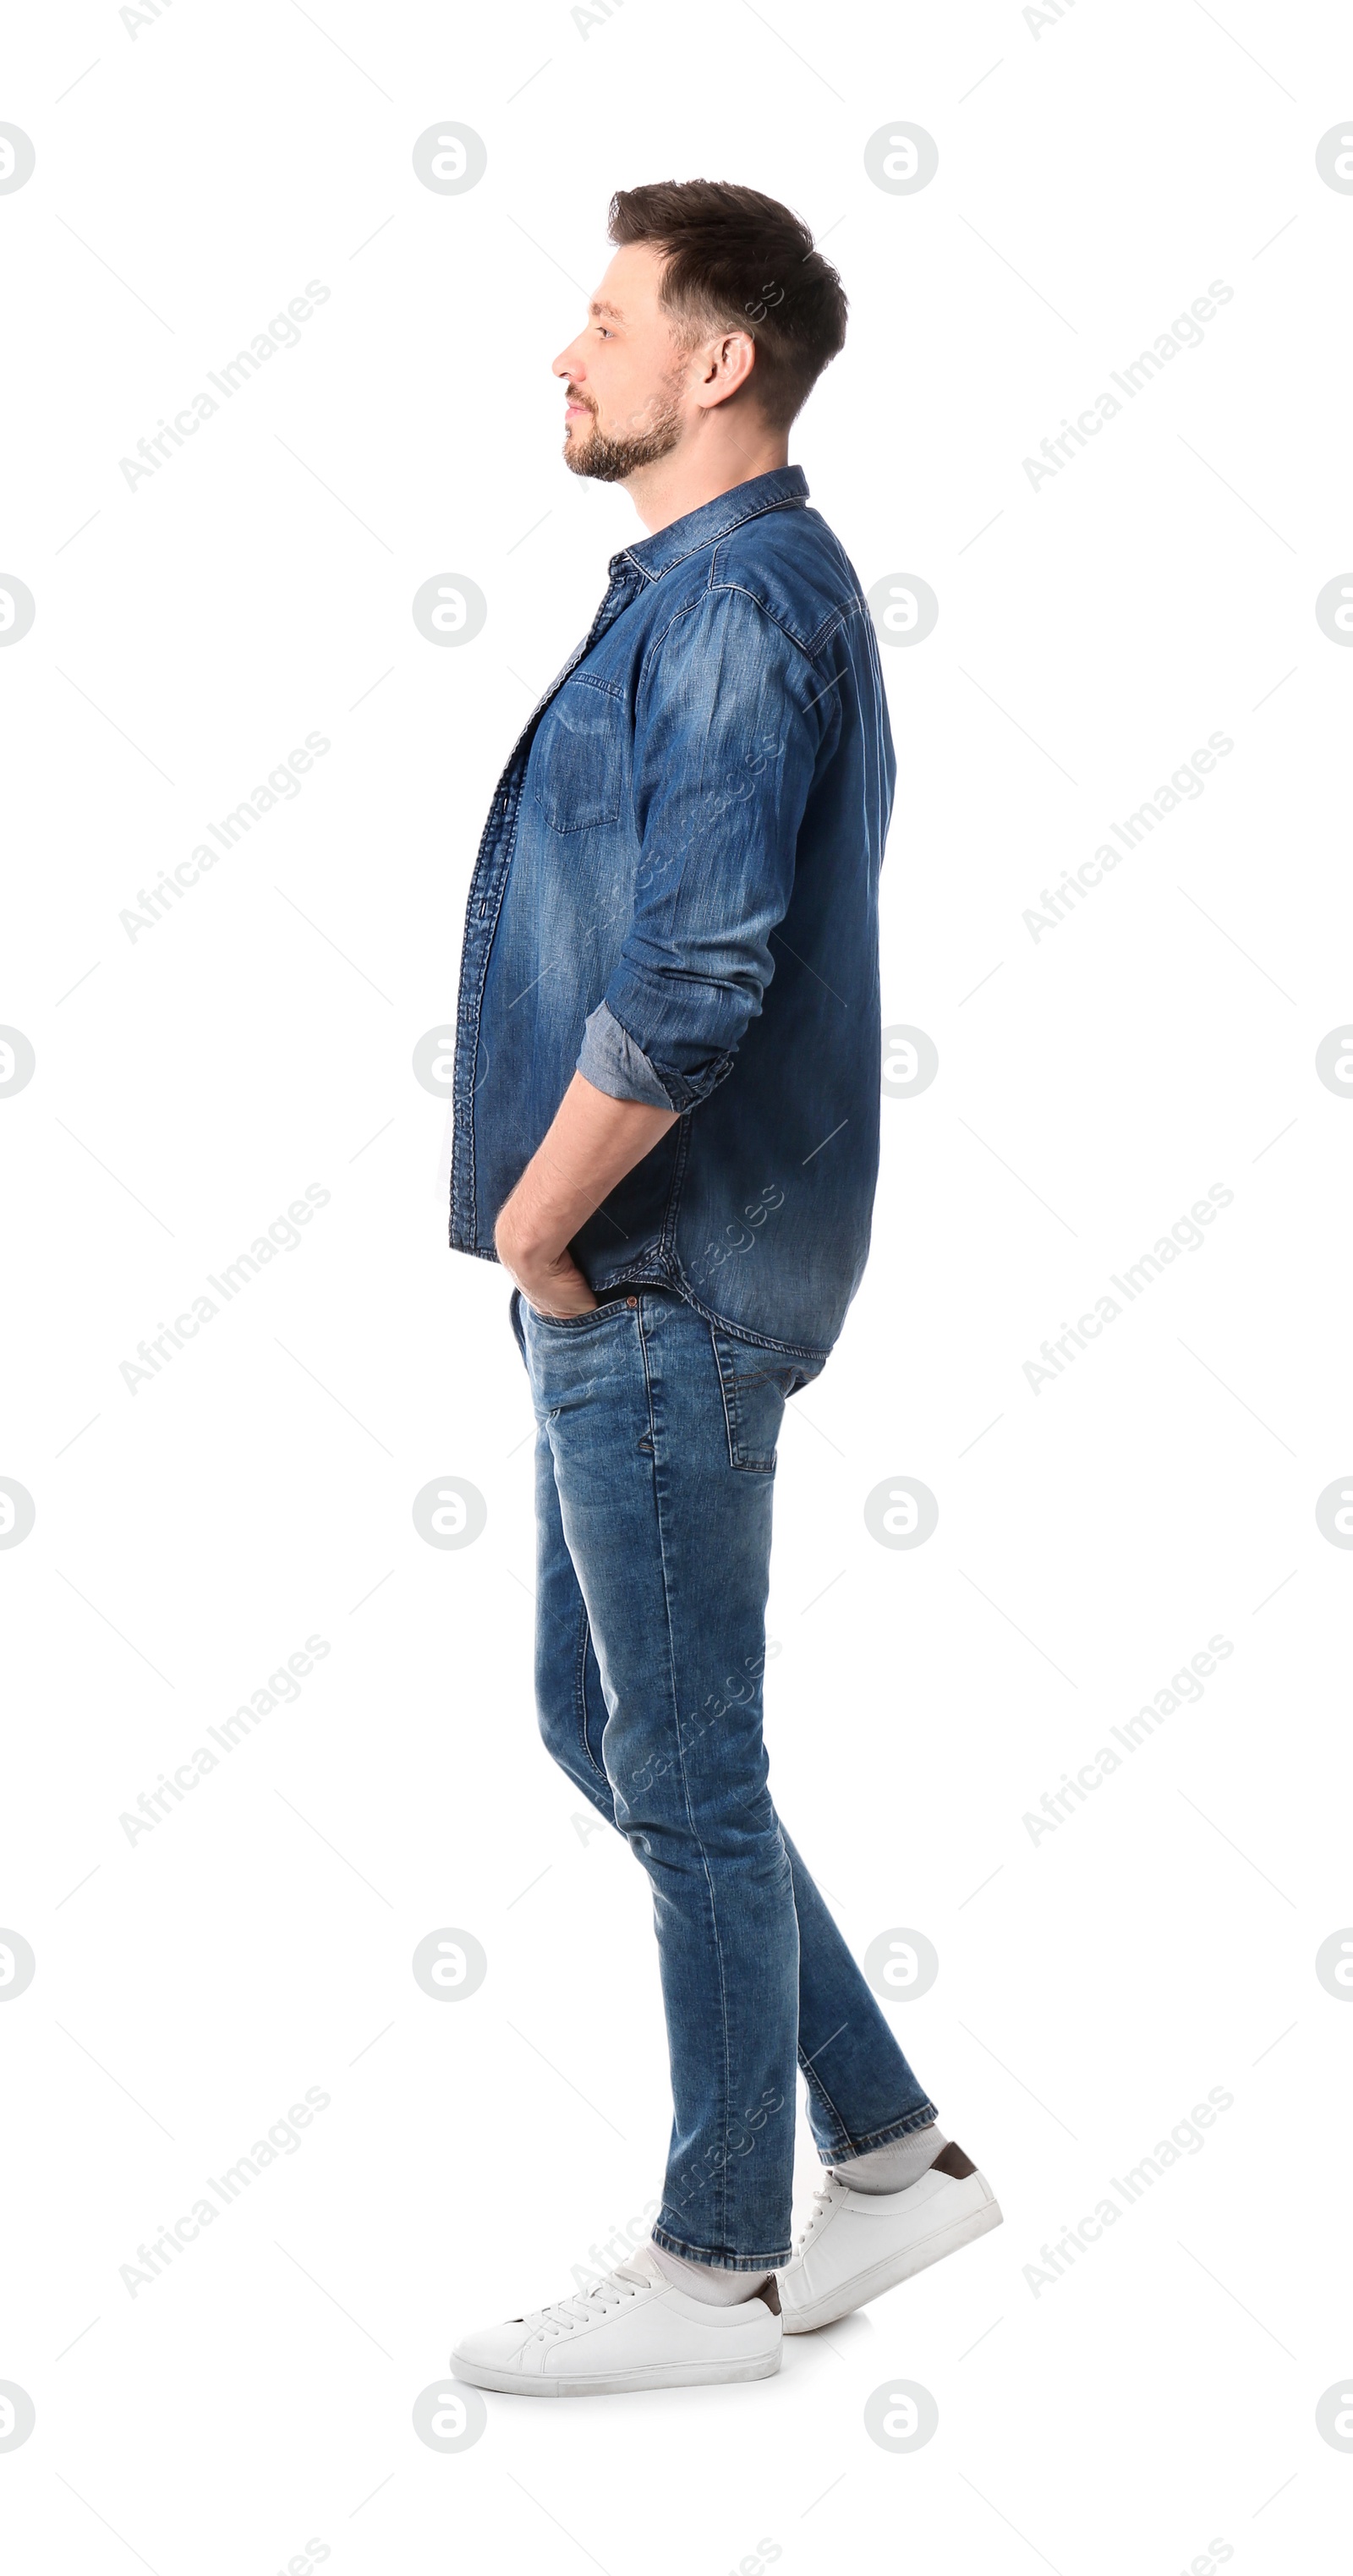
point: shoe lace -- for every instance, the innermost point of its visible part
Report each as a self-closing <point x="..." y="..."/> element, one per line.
<point x="824" y="2198"/>
<point x="564" y="2316"/>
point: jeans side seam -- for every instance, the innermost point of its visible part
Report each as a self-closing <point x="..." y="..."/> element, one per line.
<point x="721" y="2205"/>
<point x="729" y="1409"/>
<point x="815" y="2084"/>
<point x="580" y="1699"/>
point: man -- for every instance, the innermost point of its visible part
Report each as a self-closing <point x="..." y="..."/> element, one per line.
<point x="666" y="1130"/>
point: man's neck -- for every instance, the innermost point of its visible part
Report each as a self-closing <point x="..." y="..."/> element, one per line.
<point x="684" y="480"/>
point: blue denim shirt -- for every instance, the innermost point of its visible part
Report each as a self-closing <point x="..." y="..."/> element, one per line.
<point x="677" y="893"/>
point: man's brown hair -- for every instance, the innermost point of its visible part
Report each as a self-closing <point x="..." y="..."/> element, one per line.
<point x="737" y="261"/>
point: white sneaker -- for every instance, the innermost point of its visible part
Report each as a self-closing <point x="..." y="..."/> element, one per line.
<point x="636" y="2329"/>
<point x="857" y="2243"/>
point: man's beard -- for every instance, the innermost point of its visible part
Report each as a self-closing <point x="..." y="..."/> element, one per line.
<point x="610" y="460"/>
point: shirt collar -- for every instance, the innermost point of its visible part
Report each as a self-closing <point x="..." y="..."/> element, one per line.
<point x="656" y="555"/>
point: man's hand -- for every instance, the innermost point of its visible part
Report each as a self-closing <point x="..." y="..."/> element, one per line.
<point x="592" y="1143"/>
<point x="552" y="1283"/>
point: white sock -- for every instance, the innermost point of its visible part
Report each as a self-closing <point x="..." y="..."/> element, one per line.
<point x="708" y="2281"/>
<point x="893" y="2167"/>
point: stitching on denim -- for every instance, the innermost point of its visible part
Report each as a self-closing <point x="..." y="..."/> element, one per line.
<point x="492" y="850"/>
<point x="741" y="1332"/>
<point x="731" y="1387"/>
<point x="667" y="1229"/>
<point x="593" y="680"/>
<point x="729" y="1425"/>
<point x="762" y="1376"/>
<point x="907" y="2128"/>
<point x="734" y="589"/>
<point x="719" y="2262"/>
<point x="580" y="1698"/>
<point x="591" y="822"/>
<point x="758" y="510"/>
<point x="463" y="1159"/>
<point x="816" y="2085"/>
<point x="721" y="2181"/>
<point x="656" y="643"/>
<point x="573" y="1323"/>
<point x="809" y="646"/>
<point x="645" y="1273"/>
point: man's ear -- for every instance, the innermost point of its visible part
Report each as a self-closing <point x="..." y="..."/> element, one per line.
<point x="730" y="363"/>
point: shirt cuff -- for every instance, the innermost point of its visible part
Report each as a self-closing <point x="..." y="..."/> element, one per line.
<point x="611" y="1062"/>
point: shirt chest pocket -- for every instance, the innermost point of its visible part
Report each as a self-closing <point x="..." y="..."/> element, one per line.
<point x="578" y="758"/>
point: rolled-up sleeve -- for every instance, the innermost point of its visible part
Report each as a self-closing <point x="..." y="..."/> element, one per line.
<point x="727" y="734"/>
<point x="613" y="1063"/>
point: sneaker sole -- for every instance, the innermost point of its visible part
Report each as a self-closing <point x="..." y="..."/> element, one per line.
<point x="695" y="2374"/>
<point x="917" y="2257"/>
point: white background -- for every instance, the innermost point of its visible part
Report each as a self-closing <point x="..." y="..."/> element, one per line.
<point x="1095" y="175"/>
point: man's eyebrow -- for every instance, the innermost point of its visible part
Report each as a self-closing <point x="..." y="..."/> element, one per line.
<point x="612" y="311"/>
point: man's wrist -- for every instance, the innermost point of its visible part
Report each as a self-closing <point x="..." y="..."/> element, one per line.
<point x="518" y="1240"/>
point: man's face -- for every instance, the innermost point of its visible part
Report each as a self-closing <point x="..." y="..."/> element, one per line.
<point x="625" y="374"/>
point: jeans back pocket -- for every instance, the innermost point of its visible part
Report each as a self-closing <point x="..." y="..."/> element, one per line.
<point x="756" y="1385"/>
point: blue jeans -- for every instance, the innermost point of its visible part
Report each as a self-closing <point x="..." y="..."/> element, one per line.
<point x="655" y="1467"/>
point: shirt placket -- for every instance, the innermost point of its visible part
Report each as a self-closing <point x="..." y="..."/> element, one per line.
<point x="487" y="886"/>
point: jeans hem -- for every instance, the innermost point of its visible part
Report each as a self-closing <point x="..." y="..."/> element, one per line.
<point x="879" y="2137"/>
<point x="721" y="2262"/>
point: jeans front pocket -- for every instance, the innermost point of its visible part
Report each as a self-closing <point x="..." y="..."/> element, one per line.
<point x="601" y="1313"/>
<point x="570" y="1357"/>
